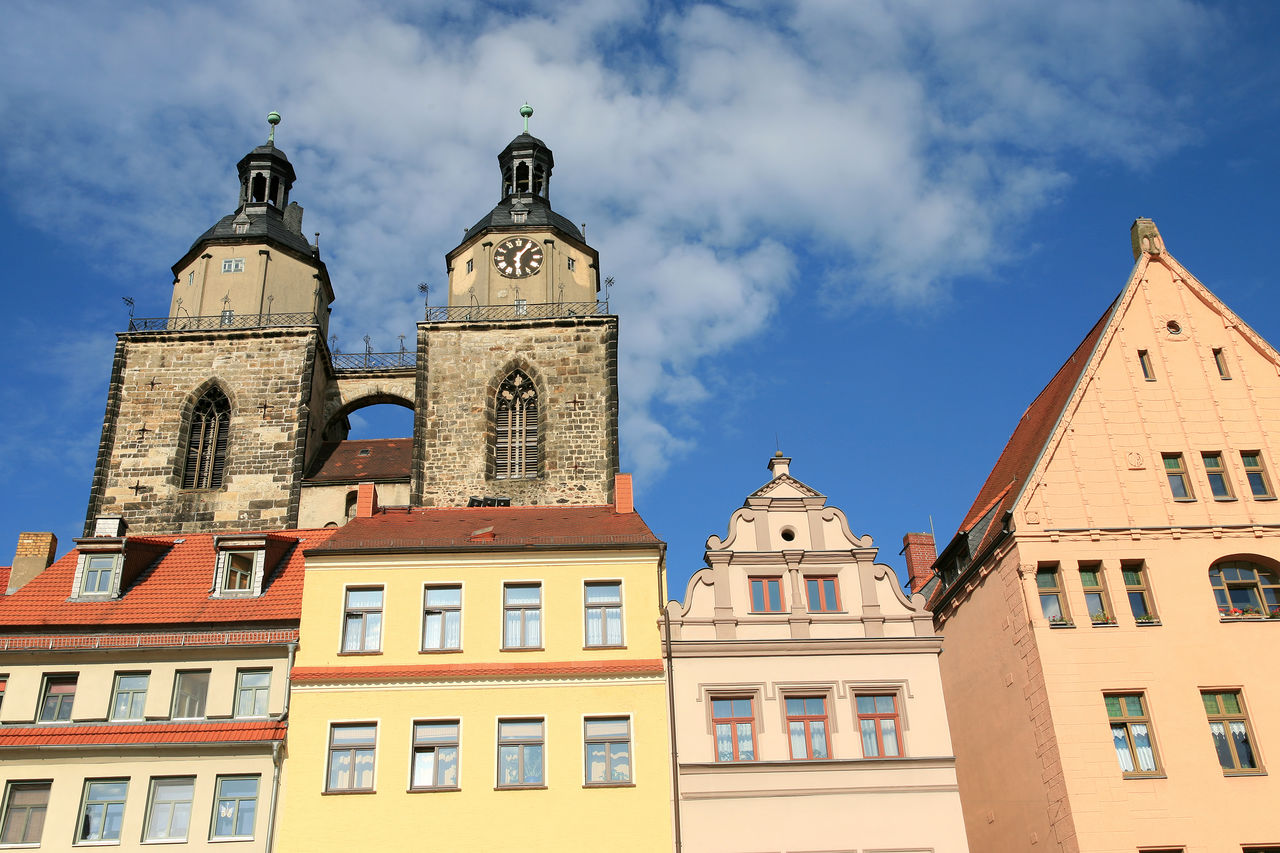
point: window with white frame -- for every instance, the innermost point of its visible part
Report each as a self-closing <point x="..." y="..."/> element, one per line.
<point x="233" y="264"/>
<point x="435" y="755"/>
<point x="604" y="613"/>
<point x="99" y="574"/>
<point x="607" y="744"/>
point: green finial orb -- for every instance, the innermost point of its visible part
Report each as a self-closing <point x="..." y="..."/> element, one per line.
<point x="526" y="111"/>
<point x="273" y="118"/>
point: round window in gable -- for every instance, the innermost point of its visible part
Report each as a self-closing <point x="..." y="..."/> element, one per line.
<point x="1173" y="327"/>
<point x="788" y="533"/>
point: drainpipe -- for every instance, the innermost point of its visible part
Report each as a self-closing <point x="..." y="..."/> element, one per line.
<point x="262" y="297"/>
<point x="671" y="700"/>
<point x="277" y="754"/>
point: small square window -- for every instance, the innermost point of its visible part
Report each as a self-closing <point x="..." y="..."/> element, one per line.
<point x="823" y="594"/>
<point x="169" y="809"/>
<point x="253" y="690"/>
<point x="99" y="574"/>
<point x="1215" y="469"/>
<point x="1256" y="473"/>
<point x="1131" y="734"/>
<point x="57" y="698"/>
<point x="1176" y="471"/>
<point x="522" y="307"/>
<point x="351" y="753"/>
<point x="190" y="690"/>
<point x="471" y="265"/>
<point x="522" y="616"/>
<point x="129" y="696"/>
<point x="520" y="747"/>
<point x="1052" y="601"/>
<point x="607" y="744"/>
<point x="102" y="811"/>
<point x="572" y="263"/>
<point x="362" y="622"/>
<point x="442" y="619"/>
<point x="604" y="613"/>
<point x="25" y="805"/>
<point x="766" y="595"/>
<point x="435" y="755"/>
<point x="235" y="807"/>
<point x="879" y="725"/>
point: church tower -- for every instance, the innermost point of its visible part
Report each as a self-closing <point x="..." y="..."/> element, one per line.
<point x="208" y="423"/>
<point x="517" y="375"/>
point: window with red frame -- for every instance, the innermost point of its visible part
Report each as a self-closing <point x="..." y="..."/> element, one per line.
<point x="735" y="727"/>
<point x="766" y="595"/>
<point x="824" y="595"/>
<point x="807" y="727"/>
<point x="878" y="722"/>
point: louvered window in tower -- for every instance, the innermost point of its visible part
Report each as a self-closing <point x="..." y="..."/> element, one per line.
<point x="207" y="443"/>
<point x="515" y="446"/>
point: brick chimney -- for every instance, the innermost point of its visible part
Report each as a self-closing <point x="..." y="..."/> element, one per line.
<point x="623" y="497"/>
<point x="921" y="552"/>
<point x="366" y="500"/>
<point x="34" y="555"/>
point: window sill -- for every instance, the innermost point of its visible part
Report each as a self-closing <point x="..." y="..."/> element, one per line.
<point x="827" y="612"/>
<point x="163" y="841"/>
<point x="608" y="784"/>
<point x="768" y="612"/>
<point x="519" y="787"/>
<point x="1109" y="623"/>
<point x="346" y="793"/>
<point x="1249" y="617"/>
<point x="358" y="654"/>
<point x="1138" y="777"/>
<point x="1147" y="623"/>
<point x="1264" y="497"/>
<point x="224" y="840"/>
<point x="601" y="648"/>
<point x="1184" y="500"/>
<point x="454" y="789"/>
<point x="439" y="651"/>
<point x="1258" y="772"/>
<point x="1062" y="624"/>
<point x="523" y="649"/>
<point x="1224" y="500"/>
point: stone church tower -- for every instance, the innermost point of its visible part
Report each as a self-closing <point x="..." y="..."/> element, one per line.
<point x="231" y="412"/>
<point x="208" y="421"/>
<point x="518" y="376"/>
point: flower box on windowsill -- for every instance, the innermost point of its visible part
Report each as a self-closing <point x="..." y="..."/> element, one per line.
<point x="1247" y="614"/>
<point x="1101" y="619"/>
<point x="1143" y="621"/>
<point x="1061" y="623"/>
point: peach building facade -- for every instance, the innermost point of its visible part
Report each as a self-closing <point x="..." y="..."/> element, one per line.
<point x="1104" y="602"/>
<point x="807" y="703"/>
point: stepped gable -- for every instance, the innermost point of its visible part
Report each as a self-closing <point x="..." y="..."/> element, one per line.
<point x="174" y="590"/>
<point x="489" y="527"/>
<point x="354" y="461"/>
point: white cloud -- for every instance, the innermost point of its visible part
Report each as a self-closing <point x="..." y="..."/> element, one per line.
<point x="897" y="147"/>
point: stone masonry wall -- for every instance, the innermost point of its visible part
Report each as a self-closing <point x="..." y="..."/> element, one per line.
<point x="156" y="380"/>
<point x="574" y="365"/>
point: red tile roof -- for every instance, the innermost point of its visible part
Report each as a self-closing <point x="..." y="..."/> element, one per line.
<point x="4" y="578"/>
<point x="174" y="590"/>
<point x="355" y="461"/>
<point x="117" y="734"/>
<point x="449" y="672"/>
<point x="566" y="526"/>
<point x="146" y="640"/>
<point x="1019" y="456"/>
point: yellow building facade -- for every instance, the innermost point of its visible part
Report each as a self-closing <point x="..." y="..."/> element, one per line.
<point x="481" y="679"/>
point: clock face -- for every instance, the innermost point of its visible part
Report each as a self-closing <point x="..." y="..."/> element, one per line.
<point x="518" y="257"/>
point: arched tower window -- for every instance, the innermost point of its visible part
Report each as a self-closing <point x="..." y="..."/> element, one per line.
<point x="522" y="177"/>
<point x="206" y="458"/>
<point x="515" y="445"/>
<point x="259" y="188"/>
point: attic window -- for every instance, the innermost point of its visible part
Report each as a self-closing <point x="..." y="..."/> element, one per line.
<point x="238" y="577"/>
<point x="364" y="451"/>
<point x="99" y="574"/>
<point x="239" y="568"/>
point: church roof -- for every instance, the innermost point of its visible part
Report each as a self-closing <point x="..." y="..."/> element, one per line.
<point x="523" y="141"/>
<point x="357" y="461"/>
<point x="539" y="211"/>
<point x="473" y="528"/>
<point x="173" y="590"/>
<point x="266" y="227"/>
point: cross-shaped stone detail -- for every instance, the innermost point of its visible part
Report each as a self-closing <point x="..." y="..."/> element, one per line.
<point x="138" y="488"/>
<point x="142" y="431"/>
<point x="264" y="408"/>
<point x="153" y="383"/>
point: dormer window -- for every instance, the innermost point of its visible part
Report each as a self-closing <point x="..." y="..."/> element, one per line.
<point x="99" y="572"/>
<point x="238" y="577"/>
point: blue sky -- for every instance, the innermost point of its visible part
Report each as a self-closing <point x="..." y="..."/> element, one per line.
<point x="867" y="231"/>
